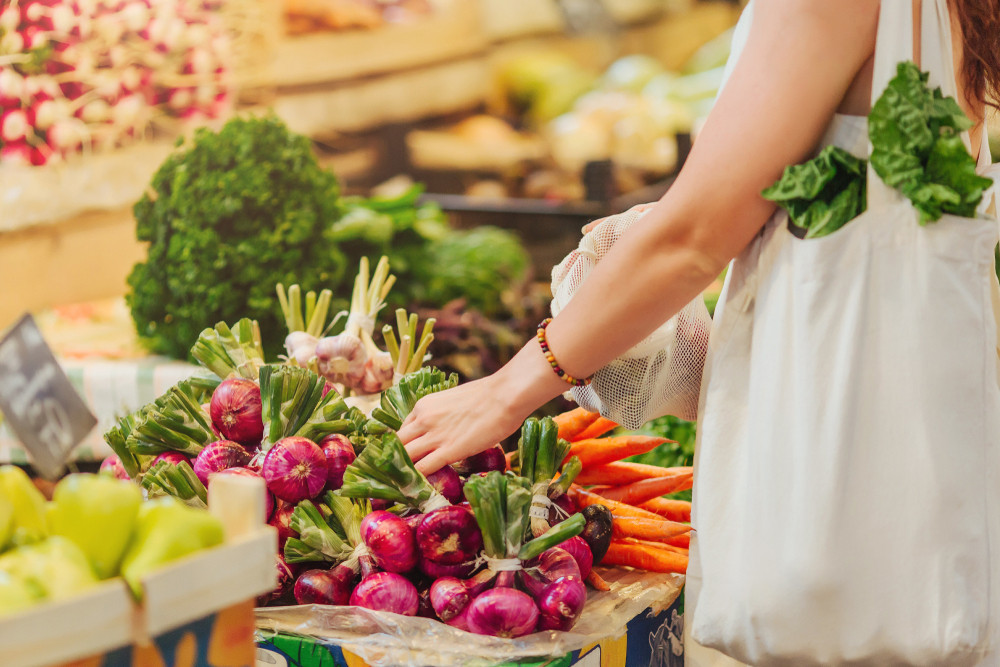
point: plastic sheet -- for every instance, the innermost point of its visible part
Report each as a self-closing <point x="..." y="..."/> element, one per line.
<point x="389" y="640"/>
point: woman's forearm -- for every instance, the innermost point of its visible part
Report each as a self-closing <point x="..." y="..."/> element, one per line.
<point x="657" y="267"/>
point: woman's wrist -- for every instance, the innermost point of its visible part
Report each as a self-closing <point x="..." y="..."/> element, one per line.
<point x="527" y="381"/>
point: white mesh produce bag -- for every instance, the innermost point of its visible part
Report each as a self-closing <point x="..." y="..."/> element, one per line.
<point x="659" y="376"/>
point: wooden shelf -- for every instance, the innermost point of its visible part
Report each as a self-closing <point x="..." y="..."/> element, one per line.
<point x="454" y="31"/>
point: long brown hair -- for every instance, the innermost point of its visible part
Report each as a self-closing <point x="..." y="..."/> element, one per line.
<point x="980" y="21"/>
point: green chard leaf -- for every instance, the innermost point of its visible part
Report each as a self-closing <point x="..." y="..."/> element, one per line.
<point x="917" y="147"/>
<point x="823" y="194"/>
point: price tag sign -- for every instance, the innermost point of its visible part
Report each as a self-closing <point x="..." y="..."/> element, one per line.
<point x="38" y="401"/>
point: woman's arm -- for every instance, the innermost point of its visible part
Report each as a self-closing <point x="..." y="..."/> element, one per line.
<point x="799" y="60"/>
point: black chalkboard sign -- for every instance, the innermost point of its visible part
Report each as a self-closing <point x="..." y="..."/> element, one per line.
<point x="38" y="401"/>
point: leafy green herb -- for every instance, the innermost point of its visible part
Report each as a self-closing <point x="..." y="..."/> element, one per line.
<point x="917" y="147"/>
<point x="823" y="194"/>
<point x="228" y="217"/>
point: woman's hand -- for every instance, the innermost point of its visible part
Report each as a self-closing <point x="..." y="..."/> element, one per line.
<point x="451" y="425"/>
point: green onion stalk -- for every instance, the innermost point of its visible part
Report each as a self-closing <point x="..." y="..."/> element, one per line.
<point x="501" y="503"/>
<point x="231" y="352"/>
<point x="293" y="403"/>
<point x="177" y="480"/>
<point x="540" y="453"/>
<point x="385" y="471"/>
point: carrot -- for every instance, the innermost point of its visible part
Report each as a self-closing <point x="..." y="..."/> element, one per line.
<point x="675" y="510"/>
<point x="645" y="558"/>
<point x="683" y="541"/>
<point x="653" y="544"/>
<point x="598" y="451"/>
<point x="623" y="472"/>
<point x="597" y="581"/>
<point x="639" y="492"/>
<point x="598" y="428"/>
<point x="647" y="529"/>
<point x="582" y="498"/>
<point x="574" y="422"/>
<point x="511" y="459"/>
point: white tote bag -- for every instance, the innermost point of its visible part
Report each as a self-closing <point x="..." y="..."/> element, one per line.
<point x="847" y="493"/>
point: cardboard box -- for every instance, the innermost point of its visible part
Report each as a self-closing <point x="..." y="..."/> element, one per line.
<point x="648" y="639"/>
<point x="197" y="612"/>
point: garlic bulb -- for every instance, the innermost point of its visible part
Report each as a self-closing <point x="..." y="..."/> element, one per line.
<point x="341" y="359"/>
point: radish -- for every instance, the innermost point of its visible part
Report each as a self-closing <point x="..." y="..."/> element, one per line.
<point x="16" y="153"/>
<point x="387" y="591"/>
<point x="10" y="19"/>
<point x="236" y="405"/>
<point x="14" y="126"/>
<point x="12" y="42"/>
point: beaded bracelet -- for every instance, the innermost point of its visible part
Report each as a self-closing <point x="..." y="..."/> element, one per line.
<point x="551" y="358"/>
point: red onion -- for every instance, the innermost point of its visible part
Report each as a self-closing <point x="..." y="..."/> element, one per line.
<point x="449" y="597"/>
<point x="560" y="604"/>
<point x="339" y="454"/>
<point x="249" y="472"/>
<point x="236" y="411"/>
<point x="380" y="504"/>
<point x="438" y="570"/>
<point x="502" y="612"/>
<point x="578" y="548"/>
<point x="449" y="536"/>
<point x="390" y="541"/>
<point x="286" y="582"/>
<point x="425" y="610"/>
<point x="448" y="484"/>
<point x="173" y="458"/>
<point x="114" y="464"/>
<point x="325" y="586"/>
<point x="387" y="591"/>
<point x="295" y="469"/>
<point x="281" y="519"/>
<point x="566" y="505"/>
<point x="217" y="456"/>
<point x="485" y="461"/>
<point x="461" y="621"/>
<point x="413" y="521"/>
<point x="556" y="563"/>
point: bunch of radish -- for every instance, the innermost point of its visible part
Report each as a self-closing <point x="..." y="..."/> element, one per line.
<point x="83" y="75"/>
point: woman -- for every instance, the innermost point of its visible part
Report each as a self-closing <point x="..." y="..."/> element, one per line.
<point x="787" y="380"/>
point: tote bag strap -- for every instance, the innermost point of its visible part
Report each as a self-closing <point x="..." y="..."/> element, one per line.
<point x="893" y="45"/>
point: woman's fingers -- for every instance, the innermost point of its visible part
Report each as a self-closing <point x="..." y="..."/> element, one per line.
<point x="419" y="447"/>
<point x="435" y="460"/>
<point x="410" y="430"/>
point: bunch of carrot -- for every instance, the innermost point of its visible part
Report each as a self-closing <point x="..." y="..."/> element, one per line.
<point x="649" y="532"/>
